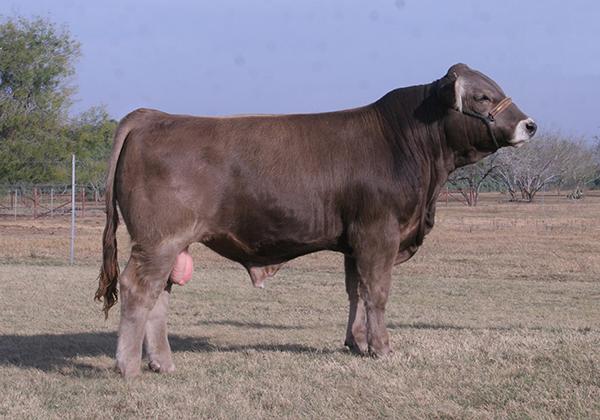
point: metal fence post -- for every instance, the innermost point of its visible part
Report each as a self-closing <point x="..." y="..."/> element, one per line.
<point x="51" y="202"/>
<point x="83" y="201"/>
<point x="72" y="254"/>
<point x="35" y="202"/>
<point x="15" y="198"/>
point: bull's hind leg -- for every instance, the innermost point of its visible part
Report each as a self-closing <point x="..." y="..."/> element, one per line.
<point x="141" y="286"/>
<point x="356" y="331"/>
<point x="156" y="339"/>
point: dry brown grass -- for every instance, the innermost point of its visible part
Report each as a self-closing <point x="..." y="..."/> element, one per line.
<point x="498" y="315"/>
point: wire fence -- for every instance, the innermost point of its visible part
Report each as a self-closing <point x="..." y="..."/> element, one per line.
<point x="41" y="201"/>
<point x="54" y="200"/>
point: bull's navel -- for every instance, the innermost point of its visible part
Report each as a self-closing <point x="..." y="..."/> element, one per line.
<point x="183" y="268"/>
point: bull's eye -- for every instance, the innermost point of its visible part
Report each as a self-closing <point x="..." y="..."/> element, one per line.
<point x="482" y="98"/>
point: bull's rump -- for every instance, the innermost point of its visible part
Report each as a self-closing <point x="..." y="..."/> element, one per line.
<point x="260" y="188"/>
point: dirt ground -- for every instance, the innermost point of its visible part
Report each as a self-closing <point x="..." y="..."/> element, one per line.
<point x="498" y="315"/>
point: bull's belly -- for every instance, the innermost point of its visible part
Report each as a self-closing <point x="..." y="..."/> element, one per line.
<point x="264" y="252"/>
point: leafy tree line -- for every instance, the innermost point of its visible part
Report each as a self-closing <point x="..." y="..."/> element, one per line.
<point x="37" y="135"/>
<point x="548" y="161"/>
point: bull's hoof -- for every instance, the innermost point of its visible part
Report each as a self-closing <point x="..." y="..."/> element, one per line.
<point x="157" y="367"/>
<point x="383" y="351"/>
<point x="359" y="349"/>
<point x="128" y="372"/>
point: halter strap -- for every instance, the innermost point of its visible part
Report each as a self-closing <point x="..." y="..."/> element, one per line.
<point x="491" y="116"/>
<point x="502" y="105"/>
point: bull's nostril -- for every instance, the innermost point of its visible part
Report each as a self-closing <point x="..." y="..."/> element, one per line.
<point x="531" y="127"/>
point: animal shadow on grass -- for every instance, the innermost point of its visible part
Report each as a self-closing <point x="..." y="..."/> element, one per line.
<point x="507" y="328"/>
<point x="55" y="352"/>
<point x="247" y="324"/>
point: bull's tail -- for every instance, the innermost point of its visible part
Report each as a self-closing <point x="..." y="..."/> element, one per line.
<point x="109" y="271"/>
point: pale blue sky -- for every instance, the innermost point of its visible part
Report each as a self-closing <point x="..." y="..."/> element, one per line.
<point x="269" y="56"/>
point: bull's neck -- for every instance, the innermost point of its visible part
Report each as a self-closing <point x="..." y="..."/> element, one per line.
<point x="412" y="121"/>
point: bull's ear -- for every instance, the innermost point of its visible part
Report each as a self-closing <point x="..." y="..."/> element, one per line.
<point x="450" y="90"/>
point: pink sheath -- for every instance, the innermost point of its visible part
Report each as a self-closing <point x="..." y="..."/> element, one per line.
<point x="183" y="268"/>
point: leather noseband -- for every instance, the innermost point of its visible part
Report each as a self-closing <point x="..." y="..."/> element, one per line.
<point x="490" y="118"/>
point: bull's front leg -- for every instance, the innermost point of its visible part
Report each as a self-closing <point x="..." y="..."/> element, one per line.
<point x="374" y="290"/>
<point x="374" y="254"/>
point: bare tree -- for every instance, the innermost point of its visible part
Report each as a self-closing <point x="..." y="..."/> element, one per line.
<point x="551" y="159"/>
<point x="525" y="171"/>
<point x="580" y="167"/>
<point x="469" y="179"/>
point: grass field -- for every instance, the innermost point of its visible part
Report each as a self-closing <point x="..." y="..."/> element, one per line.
<point x="497" y="316"/>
